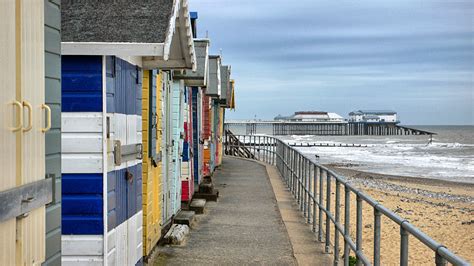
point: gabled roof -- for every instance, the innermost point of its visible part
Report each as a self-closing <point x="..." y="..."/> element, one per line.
<point x="213" y="88"/>
<point x="158" y="30"/>
<point x="225" y="85"/>
<point x="198" y="78"/>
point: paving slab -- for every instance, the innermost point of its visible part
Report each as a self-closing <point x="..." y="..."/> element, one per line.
<point x="244" y="227"/>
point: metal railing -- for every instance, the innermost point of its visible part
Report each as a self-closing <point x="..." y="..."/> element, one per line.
<point x="311" y="184"/>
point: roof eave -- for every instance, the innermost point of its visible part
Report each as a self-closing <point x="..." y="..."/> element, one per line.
<point x="112" y="48"/>
<point x="180" y="24"/>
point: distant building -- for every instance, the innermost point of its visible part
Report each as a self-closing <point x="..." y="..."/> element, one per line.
<point x="312" y="116"/>
<point x="281" y="118"/>
<point x="373" y="116"/>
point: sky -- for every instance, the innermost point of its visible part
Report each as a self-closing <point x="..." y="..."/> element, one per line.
<point x="415" y="57"/>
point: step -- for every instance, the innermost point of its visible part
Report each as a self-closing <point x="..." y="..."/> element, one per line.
<point x="207" y="196"/>
<point x="197" y="205"/>
<point x="206" y="188"/>
<point x="184" y="217"/>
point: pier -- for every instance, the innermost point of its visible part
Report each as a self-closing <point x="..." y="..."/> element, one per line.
<point x="323" y="128"/>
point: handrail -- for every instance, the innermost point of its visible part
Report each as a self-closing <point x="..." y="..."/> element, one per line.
<point x="303" y="176"/>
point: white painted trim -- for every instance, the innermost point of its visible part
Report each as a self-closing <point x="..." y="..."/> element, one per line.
<point x="171" y="29"/>
<point x="81" y="143"/>
<point x="81" y="163"/>
<point x="111" y="48"/>
<point x="81" y="122"/>
<point x="134" y="60"/>
<point x="81" y="260"/>
<point x="104" y="156"/>
<point x="82" y="245"/>
<point x="188" y="43"/>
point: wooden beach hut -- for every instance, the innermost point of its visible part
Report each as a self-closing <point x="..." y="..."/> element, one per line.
<point x="213" y="91"/>
<point x="112" y="207"/>
<point x="224" y="101"/>
<point x="30" y="110"/>
<point x="195" y="81"/>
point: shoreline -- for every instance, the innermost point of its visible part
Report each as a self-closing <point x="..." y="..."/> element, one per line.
<point x="418" y="180"/>
<point x="444" y="210"/>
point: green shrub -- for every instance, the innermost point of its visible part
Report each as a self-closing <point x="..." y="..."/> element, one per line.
<point x="352" y="261"/>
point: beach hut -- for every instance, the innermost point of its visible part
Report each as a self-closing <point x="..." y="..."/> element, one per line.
<point x="213" y="90"/>
<point x="187" y="180"/>
<point x="224" y="101"/>
<point x="166" y="144"/>
<point x="206" y="135"/>
<point x="113" y="211"/>
<point x="195" y="82"/>
<point x="226" y="87"/>
<point x="52" y="74"/>
<point x="29" y="108"/>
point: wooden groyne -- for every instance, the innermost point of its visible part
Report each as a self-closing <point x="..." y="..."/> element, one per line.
<point x="324" y="129"/>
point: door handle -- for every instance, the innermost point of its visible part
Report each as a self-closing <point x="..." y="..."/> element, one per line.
<point x="30" y="116"/>
<point x="48" y="120"/>
<point x="19" y="124"/>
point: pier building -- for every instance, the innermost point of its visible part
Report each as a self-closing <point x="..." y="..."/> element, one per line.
<point x="374" y="116"/>
<point x="312" y="116"/>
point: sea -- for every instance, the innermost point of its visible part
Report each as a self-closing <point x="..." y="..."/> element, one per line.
<point x="448" y="156"/>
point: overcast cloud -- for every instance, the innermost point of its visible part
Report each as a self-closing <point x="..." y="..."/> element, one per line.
<point x="415" y="57"/>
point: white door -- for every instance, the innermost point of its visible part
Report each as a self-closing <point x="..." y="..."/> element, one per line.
<point x="22" y="125"/>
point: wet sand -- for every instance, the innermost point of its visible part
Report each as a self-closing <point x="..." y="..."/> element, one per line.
<point x="443" y="210"/>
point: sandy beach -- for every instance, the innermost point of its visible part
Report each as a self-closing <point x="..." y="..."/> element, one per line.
<point x="443" y="210"/>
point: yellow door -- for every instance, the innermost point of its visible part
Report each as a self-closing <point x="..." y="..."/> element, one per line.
<point x="158" y="173"/>
<point x="151" y="165"/>
<point x="23" y="125"/>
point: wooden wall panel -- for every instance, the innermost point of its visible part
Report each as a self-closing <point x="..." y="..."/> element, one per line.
<point x="7" y="121"/>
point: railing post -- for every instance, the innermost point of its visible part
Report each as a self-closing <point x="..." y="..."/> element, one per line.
<point x="320" y="226"/>
<point x="297" y="179"/>
<point x="298" y="183"/>
<point x="309" y="187"/>
<point x="273" y="154"/>
<point x="267" y="139"/>
<point x="377" y="234"/>
<point x="439" y="260"/>
<point x="254" y="146"/>
<point x="238" y="142"/>
<point x="315" y="188"/>
<point x="347" y="224"/>
<point x="293" y="181"/>
<point x="305" y="194"/>
<point x="403" y="246"/>
<point x="328" y="209"/>
<point x="359" y="228"/>
<point x="287" y="164"/>
<point x="293" y="173"/>
<point x="302" y="183"/>
<point x="336" y="231"/>
<point x="259" y="148"/>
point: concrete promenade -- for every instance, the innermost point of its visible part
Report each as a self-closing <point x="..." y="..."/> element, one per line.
<point x="250" y="224"/>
